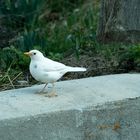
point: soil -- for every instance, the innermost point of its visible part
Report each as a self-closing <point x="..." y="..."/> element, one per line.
<point x="96" y="66"/>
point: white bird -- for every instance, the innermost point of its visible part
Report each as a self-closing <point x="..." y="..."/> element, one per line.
<point x="46" y="70"/>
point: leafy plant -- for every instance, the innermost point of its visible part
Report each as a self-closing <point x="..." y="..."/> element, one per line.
<point x="132" y="54"/>
<point x="13" y="58"/>
<point x="21" y="13"/>
<point x="26" y="40"/>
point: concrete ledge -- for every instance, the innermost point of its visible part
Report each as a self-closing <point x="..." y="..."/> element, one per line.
<point x="100" y="108"/>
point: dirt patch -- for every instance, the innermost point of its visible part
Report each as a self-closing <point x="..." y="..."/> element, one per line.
<point x="95" y="66"/>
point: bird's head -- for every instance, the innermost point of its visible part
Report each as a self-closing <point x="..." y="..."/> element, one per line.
<point x="34" y="54"/>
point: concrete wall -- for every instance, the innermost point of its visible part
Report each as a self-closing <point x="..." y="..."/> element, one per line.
<point x="73" y="119"/>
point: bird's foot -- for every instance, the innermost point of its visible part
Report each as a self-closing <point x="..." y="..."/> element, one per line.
<point x="52" y="94"/>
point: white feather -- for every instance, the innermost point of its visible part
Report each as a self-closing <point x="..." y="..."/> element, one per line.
<point x="47" y="70"/>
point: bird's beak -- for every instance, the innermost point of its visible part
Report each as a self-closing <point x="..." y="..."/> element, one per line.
<point x="28" y="53"/>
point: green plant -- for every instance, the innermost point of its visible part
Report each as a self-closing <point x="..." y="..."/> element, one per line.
<point x="132" y="54"/>
<point x="21" y="13"/>
<point x="26" y="40"/>
<point x="13" y="58"/>
<point x="22" y="16"/>
<point x="76" y="32"/>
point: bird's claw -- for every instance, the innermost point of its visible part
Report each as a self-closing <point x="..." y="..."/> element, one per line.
<point x="53" y="94"/>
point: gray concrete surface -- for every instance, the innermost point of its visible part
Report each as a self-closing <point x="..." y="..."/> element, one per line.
<point x="98" y="108"/>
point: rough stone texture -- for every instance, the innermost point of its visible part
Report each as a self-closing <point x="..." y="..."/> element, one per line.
<point x="100" y="108"/>
<point x="119" y="21"/>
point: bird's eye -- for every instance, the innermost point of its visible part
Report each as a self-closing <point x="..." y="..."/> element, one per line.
<point x="34" y="53"/>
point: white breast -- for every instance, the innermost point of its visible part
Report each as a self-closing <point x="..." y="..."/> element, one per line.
<point x="38" y="73"/>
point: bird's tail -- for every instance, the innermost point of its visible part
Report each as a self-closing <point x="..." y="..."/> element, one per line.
<point x="76" y="69"/>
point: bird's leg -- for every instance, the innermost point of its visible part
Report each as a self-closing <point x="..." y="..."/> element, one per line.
<point x="42" y="91"/>
<point x="52" y="93"/>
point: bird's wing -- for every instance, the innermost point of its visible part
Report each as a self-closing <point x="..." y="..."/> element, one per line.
<point x="50" y="65"/>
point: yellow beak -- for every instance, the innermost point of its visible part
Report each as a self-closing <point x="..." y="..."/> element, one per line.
<point x="28" y="53"/>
